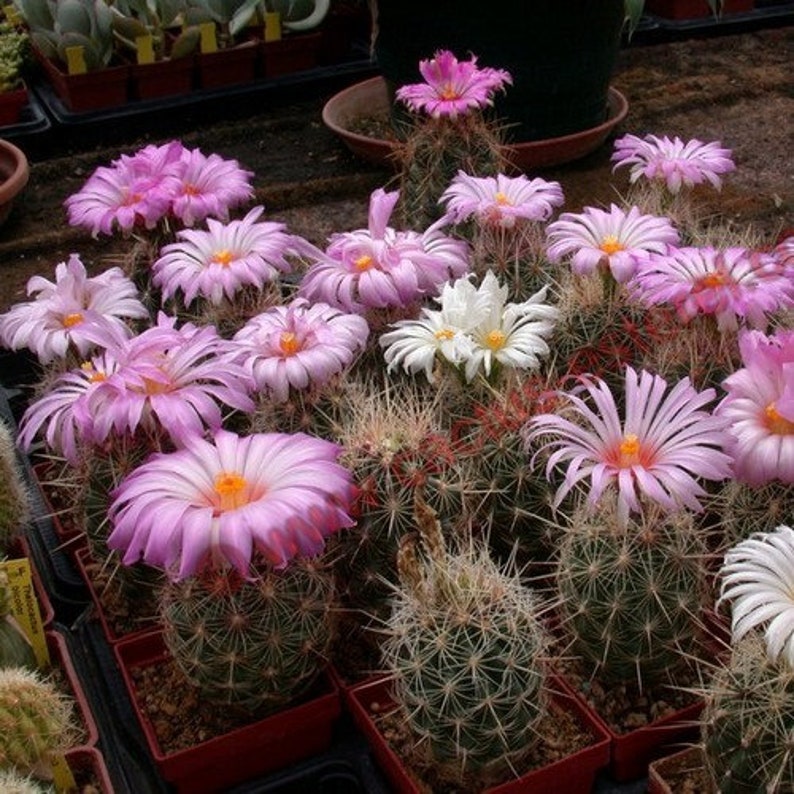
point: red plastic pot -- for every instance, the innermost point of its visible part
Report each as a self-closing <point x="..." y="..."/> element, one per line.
<point x="230" y="66"/>
<point x="293" y="53"/>
<point x="89" y="764"/>
<point x="573" y="775"/>
<point x="256" y="749"/>
<point x="11" y="104"/>
<point x="169" y="77"/>
<point x="663" y="772"/>
<point x="103" y="88"/>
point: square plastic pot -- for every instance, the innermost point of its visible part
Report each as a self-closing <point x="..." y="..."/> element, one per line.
<point x="663" y="772"/>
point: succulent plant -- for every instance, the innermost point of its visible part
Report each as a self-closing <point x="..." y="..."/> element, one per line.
<point x="14" y="53"/>
<point x="464" y="648"/>
<point x="132" y="19"/>
<point x="631" y="596"/>
<point x="36" y="721"/>
<point x="15" y="649"/>
<point x="14" y="501"/>
<point x="256" y="644"/>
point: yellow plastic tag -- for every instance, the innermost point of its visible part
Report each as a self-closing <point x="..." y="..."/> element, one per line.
<point x="272" y="26"/>
<point x="75" y="60"/>
<point x="144" y="49"/>
<point x="24" y="608"/>
<point x="209" y="40"/>
<point x="62" y="776"/>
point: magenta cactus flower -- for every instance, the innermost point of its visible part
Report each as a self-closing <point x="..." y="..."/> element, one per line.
<point x="299" y="346"/>
<point x="500" y="200"/>
<point x="734" y="285"/>
<point x="214" y="504"/>
<point x="220" y="260"/>
<point x="664" y="445"/>
<point x="610" y="241"/>
<point x="673" y="162"/>
<point x="380" y="267"/>
<point x="74" y="313"/>
<point x="453" y="87"/>
<point x="759" y="409"/>
<point x="784" y="253"/>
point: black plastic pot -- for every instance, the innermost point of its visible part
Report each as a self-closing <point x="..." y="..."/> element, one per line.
<point x="561" y="55"/>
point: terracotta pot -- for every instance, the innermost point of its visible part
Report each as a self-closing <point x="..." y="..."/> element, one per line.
<point x="11" y="104"/>
<point x="88" y="764"/>
<point x="252" y="750"/>
<point x="293" y="53"/>
<point x="694" y="9"/>
<point x="665" y="774"/>
<point x="230" y="66"/>
<point x="574" y="775"/>
<point x="369" y="99"/>
<point x="96" y="90"/>
<point x="14" y="174"/>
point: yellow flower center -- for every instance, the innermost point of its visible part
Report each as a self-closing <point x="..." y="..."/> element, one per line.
<point x="611" y="245"/>
<point x="289" y="343"/>
<point x="72" y="319"/>
<point x="94" y="375"/>
<point x="364" y="262"/>
<point x="495" y="339"/>
<point x="232" y="490"/>
<point x="713" y="280"/>
<point x="448" y="92"/>
<point x="777" y="424"/>
<point x="501" y="199"/>
<point x="629" y="451"/>
<point x="223" y="258"/>
<point x="444" y="333"/>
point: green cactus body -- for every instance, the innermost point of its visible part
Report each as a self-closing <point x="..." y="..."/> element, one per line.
<point x="255" y="644"/>
<point x="433" y="153"/>
<point x="745" y="510"/>
<point x="14" y="505"/>
<point x="748" y="723"/>
<point x="464" y="648"/>
<point x="631" y="597"/>
<point x="36" y="721"/>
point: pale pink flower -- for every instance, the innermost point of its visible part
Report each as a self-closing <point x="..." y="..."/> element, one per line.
<point x="665" y="444"/>
<point x="453" y="87"/>
<point x="126" y="194"/>
<point x="500" y="200"/>
<point x="733" y="285"/>
<point x="207" y="186"/>
<point x="170" y="379"/>
<point x="672" y="161"/>
<point x="759" y="409"/>
<point x="217" y="503"/>
<point x="74" y="312"/>
<point x="62" y="411"/>
<point x="381" y="267"/>
<point x="299" y="346"/>
<point x="608" y="241"/>
<point x="218" y="261"/>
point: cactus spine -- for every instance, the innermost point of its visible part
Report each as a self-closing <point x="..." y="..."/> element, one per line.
<point x="748" y="722"/>
<point x="255" y="644"/>
<point x="464" y="647"/>
<point x="631" y="597"/>
<point x="36" y="721"/>
<point x="12" y="782"/>
<point x="14" y="505"/>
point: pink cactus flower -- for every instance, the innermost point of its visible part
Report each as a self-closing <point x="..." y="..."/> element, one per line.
<point x="608" y="241"/>
<point x="74" y="313"/>
<point x="219" y="261"/>
<point x="673" y="162"/>
<point x="501" y="200"/>
<point x="126" y="194"/>
<point x="214" y="504"/>
<point x="381" y="267"/>
<point x="735" y="285"/>
<point x="453" y="87"/>
<point x="665" y="444"/>
<point x="759" y="409"/>
<point x="299" y="346"/>
<point x="784" y="253"/>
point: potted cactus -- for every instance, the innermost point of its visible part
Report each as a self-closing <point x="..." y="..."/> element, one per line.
<point x="291" y="42"/>
<point x="14" y="52"/>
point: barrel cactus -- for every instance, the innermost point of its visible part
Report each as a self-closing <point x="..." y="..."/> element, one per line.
<point x="36" y="721"/>
<point x="14" y="504"/>
<point x="465" y="650"/>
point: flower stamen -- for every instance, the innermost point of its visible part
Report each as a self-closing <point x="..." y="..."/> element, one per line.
<point x="777" y="424"/>
<point x="364" y="262"/>
<point x="70" y="320"/>
<point x="611" y="245"/>
<point x="232" y="491"/>
<point x="289" y="343"/>
<point x="223" y="257"/>
<point x="444" y="334"/>
<point x="495" y="339"/>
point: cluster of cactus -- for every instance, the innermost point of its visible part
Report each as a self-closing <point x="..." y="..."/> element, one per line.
<point x="631" y="596"/>
<point x="36" y="721"/>
<point x="14" y="52"/>
<point x="14" y="501"/>
<point x="465" y="650"/>
<point x="255" y="644"/>
<point x="15" y="649"/>
<point x="748" y="722"/>
<point x="431" y="155"/>
<point x="745" y="509"/>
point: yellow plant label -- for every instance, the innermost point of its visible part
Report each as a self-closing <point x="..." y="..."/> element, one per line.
<point x="62" y="776"/>
<point x="209" y="39"/>
<point x="24" y="608"/>
<point x="75" y="60"/>
<point x="144" y="49"/>
<point x="272" y="26"/>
